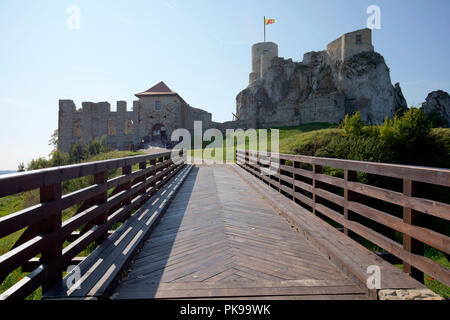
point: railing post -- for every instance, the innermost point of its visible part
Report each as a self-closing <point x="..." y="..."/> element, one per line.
<point x="126" y="170"/>
<point x="279" y="174"/>
<point x="349" y="175"/>
<point x="143" y="166"/>
<point x="48" y="194"/>
<point x="153" y="183"/>
<point x="293" y="180"/>
<point x="412" y="217"/>
<point x="317" y="169"/>
<point x="100" y="178"/>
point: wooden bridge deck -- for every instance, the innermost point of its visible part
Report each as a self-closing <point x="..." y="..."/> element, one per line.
<point x="219" y="238"/>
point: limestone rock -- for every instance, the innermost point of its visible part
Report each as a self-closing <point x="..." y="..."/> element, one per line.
<point x="400" y="102"/>
<point x="438" y="102"/>
<point x="320" y="89"/>
<point x="408" y="294"/>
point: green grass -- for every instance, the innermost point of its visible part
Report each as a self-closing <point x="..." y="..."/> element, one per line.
<point x="291" y="139"/>
<point x="17" y="202"/>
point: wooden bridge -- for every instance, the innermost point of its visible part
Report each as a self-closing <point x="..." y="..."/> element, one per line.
<point x="168" y="230"/>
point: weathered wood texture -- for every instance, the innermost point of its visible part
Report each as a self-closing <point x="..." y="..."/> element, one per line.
<point x="100" y="271"/>
<point x="220" y="238"/>
<point x="351" y="204"/>
<point x="45" y="231"/>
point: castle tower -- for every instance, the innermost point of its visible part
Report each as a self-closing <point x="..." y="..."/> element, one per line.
<point x="262" y="55"/>
<point x="350" y="44"/>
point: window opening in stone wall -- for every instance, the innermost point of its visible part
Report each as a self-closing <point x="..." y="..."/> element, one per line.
<point x="157" y="105"/>
<point x="358" y="39"/>
<point x="77" y="128"/>
<point x="111" y="127"/>
<point x="128" y="127"/>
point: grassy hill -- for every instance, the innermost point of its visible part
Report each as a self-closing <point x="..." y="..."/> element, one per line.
<point x="407" y="140"/>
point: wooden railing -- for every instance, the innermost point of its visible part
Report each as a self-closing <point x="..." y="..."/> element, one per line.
<point x="395" y="214"/>
<point x="48" y="245"/>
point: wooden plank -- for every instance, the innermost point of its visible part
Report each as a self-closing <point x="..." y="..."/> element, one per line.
<point x="430" y="237"/>
<point x="430" y="267"/>
<point x="439" y="176"/>
<point x="434" y="208"/>
<point x="21" y="219"/>
<point x="23" y="253"/>
<point x="53" y="223"/>
<point x="347" y="254"/>
<point x="212" y="238"/>
<point x="349" y="175"/>
<point x="410" y="242"/>
<point x="29" y="180"/>
<point x="145" y="293"/>
<point x="119" y="248"/>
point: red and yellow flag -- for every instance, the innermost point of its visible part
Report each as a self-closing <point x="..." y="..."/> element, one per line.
<point x="270" y="21"/>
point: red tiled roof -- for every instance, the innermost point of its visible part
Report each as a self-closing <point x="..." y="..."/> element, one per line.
<point x="157" y="90"/>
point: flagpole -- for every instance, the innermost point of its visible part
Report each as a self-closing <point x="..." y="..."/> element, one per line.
<point x="264" y="28"/>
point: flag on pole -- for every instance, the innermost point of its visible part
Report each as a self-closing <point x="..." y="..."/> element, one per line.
<point x="269" y="21"/>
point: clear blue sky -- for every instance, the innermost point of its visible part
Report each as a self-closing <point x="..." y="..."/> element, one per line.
<point x="201" y="49"/>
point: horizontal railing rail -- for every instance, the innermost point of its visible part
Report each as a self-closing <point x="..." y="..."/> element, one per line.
<point x="373" y="211"/>
<point x="46" y="242"/>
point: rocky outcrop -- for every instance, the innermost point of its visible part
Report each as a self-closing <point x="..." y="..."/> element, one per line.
<point x="400" y="102"/>
<point x="437" y="104"/>
<point x="408" y="294"/>
<point x="319" y="89"/>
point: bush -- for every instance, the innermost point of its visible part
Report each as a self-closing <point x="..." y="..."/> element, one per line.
<point x="59" y="158"/>
<point x="436" y="120"/>
<point x="356" y="148"/>
<point x="78" y="152"/>
<point x="97" y="146"/>
<point x="39" y="163"/>
<point x="407" y="139"/>
<point x="353" y="125"/>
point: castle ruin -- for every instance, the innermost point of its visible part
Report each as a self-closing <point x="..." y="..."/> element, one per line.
<point x="157" y="112"/>
<point x="325" y="86"/>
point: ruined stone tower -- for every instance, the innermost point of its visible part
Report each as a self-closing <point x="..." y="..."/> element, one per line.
<point x="262" y="55"/>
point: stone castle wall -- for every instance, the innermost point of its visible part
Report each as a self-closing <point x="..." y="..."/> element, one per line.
<point x="350" y="44"/>
<point x="124" y="129"/>
<point x="96" y="120"/>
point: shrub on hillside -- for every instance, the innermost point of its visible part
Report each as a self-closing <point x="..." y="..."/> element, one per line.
<point x="78" y="153"/>
<point x="59" y="158"/>
<point x="39" y="163"/>
<point x="97" y="146"/>
<point x="406" y="139"/>
<point x="353" y="126"/>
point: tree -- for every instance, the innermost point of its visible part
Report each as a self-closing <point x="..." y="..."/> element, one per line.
<point x="59" y="158"/>
<point x="78" y="153"/>
<point x="21" y="167"/>
<point x="53" y="142"/>
<point x="96" y="146"/>
<point x="353" y="125"/>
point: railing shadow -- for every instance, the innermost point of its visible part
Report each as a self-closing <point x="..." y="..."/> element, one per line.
<point x="157" y="249"/>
